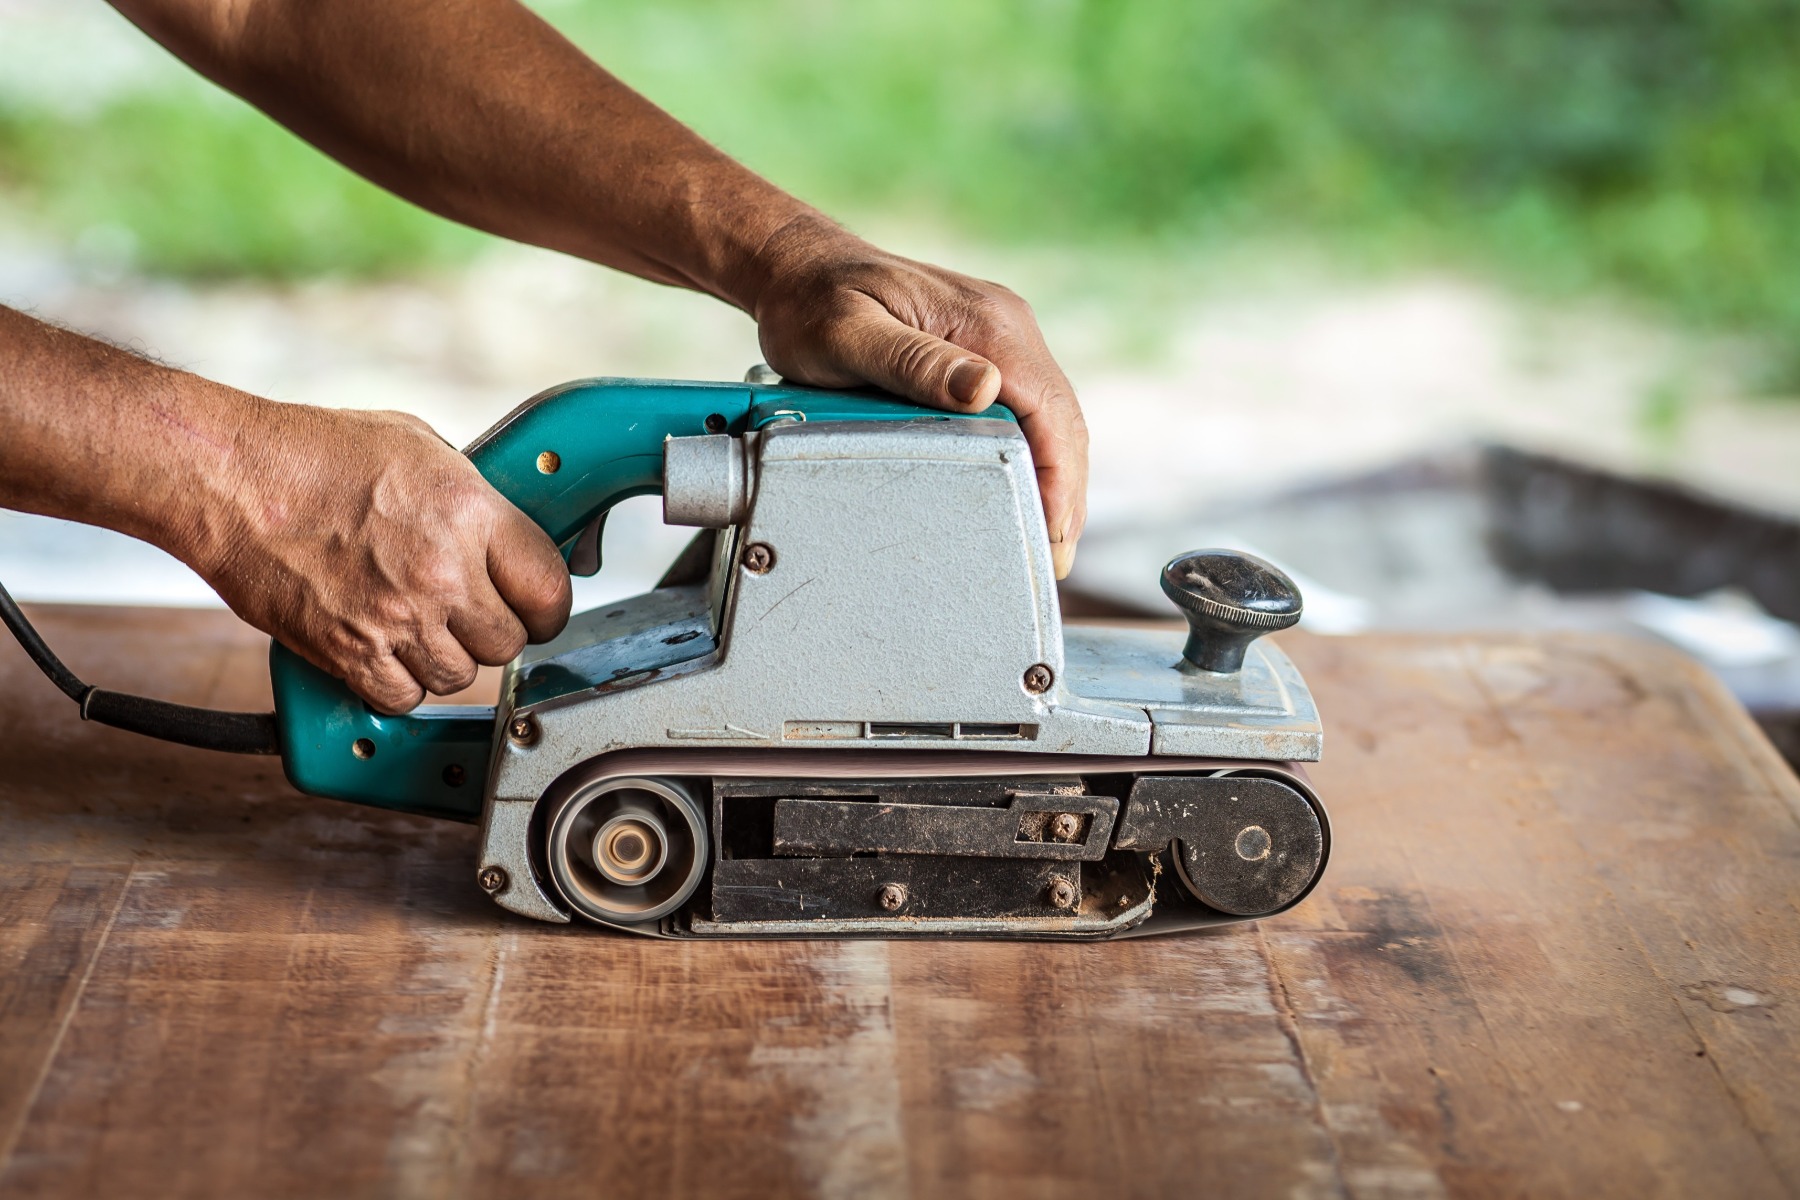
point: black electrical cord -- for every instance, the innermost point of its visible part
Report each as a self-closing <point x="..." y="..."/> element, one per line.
<point x="207" y="728"/>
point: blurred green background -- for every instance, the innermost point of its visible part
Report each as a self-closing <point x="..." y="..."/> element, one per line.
<point x="1644" y="148"/>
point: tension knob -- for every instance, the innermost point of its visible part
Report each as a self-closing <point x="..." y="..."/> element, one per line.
<point x="1229" y="599"/>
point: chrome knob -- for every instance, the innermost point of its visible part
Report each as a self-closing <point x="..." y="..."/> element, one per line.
<point x="1229" y="599"/>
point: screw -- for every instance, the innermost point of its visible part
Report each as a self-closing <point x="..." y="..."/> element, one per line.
<point x="522" y="730"/>
<point x="892" y="896"/>
<point x="1038" y="679"/>
<point x="1065" y="826"/>
<point x="1253" y="843"/>
<point x="455" y="775"/>
<point x="491" y="879"/>
<point x="759" y="558"/>
<point x="1062" y="894"/>
<point x="715" y="422"/>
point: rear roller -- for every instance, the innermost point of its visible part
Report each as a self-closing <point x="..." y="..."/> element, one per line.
<point x="627" y="851"/>
<point x="1247" y="848"/>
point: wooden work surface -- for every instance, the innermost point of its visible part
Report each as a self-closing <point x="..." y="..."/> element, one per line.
<point x="1557" y="952"/>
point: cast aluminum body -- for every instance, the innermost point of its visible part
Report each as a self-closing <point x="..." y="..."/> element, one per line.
<point x="875" y="587"/>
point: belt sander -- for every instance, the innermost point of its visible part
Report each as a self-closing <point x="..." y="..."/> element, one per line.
<point x="850" y="708"/>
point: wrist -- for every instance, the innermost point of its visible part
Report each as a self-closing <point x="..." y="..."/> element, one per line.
<point x="203" y="504"/>
<point x="804" y="239"/>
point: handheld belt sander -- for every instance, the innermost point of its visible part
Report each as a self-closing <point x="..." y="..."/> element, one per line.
<point x="850" y="707"/>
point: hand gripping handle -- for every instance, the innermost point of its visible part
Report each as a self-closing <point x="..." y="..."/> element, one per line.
<point x="565" y="457"/>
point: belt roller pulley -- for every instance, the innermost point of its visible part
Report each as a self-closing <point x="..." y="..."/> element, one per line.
<point x="627" y="851"/>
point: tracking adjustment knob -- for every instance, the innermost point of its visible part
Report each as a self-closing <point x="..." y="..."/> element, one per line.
<point x="1229" y="599"/>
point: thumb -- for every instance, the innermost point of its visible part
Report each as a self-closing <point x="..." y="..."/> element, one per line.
<point x="874" y="346"/>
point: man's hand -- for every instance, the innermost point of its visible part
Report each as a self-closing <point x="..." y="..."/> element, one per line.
<point x="364" y="542"/>
<point x="834" y="311"/>
<point x="359" y="539"/>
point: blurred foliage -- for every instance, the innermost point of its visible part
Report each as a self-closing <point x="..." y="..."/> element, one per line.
<point x="1646" y="145"/>
<point x="191" y="185"/>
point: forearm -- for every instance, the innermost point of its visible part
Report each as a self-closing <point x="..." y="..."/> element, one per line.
<point x="480" y="111"/>
<point x="91" y="433"/>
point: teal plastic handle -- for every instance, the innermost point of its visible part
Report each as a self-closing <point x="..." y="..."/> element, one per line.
<point x="565" y="457"/>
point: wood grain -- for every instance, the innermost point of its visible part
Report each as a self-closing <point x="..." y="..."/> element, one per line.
<point x="1557" y="953"/>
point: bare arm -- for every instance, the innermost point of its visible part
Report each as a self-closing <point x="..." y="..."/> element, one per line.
<point x="360" y="539"/>
<point x="480" y="111"/>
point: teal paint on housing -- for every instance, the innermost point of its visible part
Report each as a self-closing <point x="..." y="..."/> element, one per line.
<point x="432" y="761"/>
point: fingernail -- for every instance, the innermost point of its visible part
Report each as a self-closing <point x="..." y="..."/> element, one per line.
<point x="966" y="380"/>
<point x="1062" y="558"/>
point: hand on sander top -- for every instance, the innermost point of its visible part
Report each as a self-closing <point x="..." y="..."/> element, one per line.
<point x="377" y="552"/>
<point x="834" y="311"/>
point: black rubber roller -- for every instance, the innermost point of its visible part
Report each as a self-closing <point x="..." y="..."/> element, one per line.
<point x="1245" y="845"/>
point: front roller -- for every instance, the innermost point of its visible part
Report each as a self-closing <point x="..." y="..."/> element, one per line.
<point x="626" y="851"/>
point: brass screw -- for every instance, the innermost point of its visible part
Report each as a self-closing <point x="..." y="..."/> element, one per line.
<point x="491" y="879"/>
<point x="1062" y="894"/>
<point x="759" y="558"/>
<point x="522" y="730"/>
<point x="1038" y="679"/>
<point x="892" y="896"/>
<point x="1065" y="826"/>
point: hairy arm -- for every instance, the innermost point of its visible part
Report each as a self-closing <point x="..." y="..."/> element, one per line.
<point x="480" y="111"/>
<point x="360" y="539"/>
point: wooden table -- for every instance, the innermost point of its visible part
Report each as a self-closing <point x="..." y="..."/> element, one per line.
<point x="1557" y="953"/>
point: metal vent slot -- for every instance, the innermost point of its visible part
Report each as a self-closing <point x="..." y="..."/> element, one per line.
<point x="969" y="731"/>
<point x="961" y="731"/>
<point x="894" y="729"/>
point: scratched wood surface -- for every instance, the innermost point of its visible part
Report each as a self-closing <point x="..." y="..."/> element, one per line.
<point x="1557" y="953"/>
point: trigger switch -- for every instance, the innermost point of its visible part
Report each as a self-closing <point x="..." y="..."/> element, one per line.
<point x="584" y="555"/>
<point x="1229" y="599"/>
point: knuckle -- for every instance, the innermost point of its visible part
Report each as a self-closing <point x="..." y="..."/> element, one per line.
<point x="508" y="645"/>
<point x="350" y="646"/>
<point x="459" y="677"/>
<point x="552" y="591"/>
<point x="393" y="610"/>
<point x="919" y="358"/>
<point x="440" y="576"/>
<point x="387" y="688"/>
<point x="998" y="310"/>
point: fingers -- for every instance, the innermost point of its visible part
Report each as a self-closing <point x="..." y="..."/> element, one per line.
<point x="872" y="345"/>
<point x="958" y="344"/>
<point x="488" y="630"/>
<point x="1041" y="397"/>
<point x="438" y="662"/>
<point x="441" y="662"/>
<point x="529" y="575"/>
<point x="1062" y="479"/>
<point x="385" y="685"/>
<point x="1051" y="420"/>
